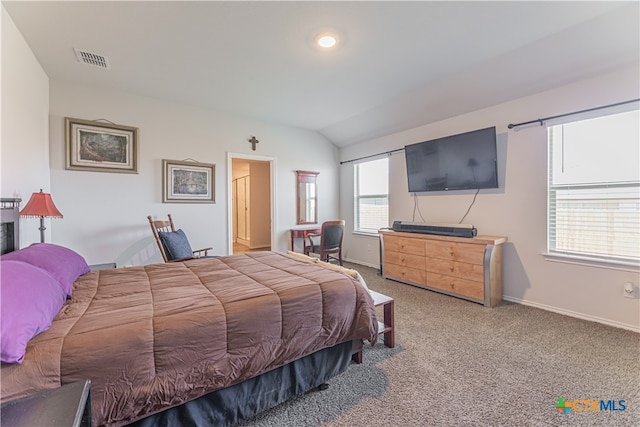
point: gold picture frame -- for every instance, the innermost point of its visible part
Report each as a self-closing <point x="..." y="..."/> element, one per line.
<point x="100" y="147"/>
<point x="188" y="182"/>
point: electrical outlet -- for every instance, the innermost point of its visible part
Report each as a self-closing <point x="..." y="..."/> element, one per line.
<point x="629" y="290"/>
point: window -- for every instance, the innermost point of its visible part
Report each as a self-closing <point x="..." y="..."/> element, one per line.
<point x="371" y="195"/>
<point x="594" y="188"/>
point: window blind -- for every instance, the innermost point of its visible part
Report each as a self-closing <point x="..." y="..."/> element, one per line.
<point x="595" y="221"/>
<point x="372" y="212"/>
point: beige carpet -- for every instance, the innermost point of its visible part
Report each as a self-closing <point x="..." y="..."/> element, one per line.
<point x="458" y="363"/>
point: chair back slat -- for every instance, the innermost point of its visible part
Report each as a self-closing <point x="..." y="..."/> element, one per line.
<point x="160" y="225"/>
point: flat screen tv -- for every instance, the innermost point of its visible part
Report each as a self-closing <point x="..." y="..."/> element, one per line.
<point x="467" y="161"/>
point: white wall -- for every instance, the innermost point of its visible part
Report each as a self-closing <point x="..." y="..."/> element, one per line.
<point x="518" y="209"/>
<point x="105" y="213"/>
<point x="24" y="139"/>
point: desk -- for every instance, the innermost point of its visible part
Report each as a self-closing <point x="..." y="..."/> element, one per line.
<point x="302" y="233"/>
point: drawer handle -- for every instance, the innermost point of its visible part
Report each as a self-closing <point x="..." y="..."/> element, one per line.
<point x="451" y="269"/>
<point x="451" y="284"/>
<point x="451" y="252"/>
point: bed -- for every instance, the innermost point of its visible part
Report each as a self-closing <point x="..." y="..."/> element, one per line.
<point x="162" y="343"/>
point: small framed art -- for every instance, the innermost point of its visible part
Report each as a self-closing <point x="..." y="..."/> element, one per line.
<point x="187" y="182"/>
<point x="101" y="147"/>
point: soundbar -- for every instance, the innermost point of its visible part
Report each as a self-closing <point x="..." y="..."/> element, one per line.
<point x="455" y="230"/>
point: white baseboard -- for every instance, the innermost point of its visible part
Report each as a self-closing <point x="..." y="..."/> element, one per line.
<point x="633" y="328"/>
<point x="376" y="266"/>
<point x="265" y="247"/>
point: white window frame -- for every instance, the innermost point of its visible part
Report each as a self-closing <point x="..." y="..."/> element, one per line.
<point x="357" y="197"/>
<point x="578" y="190"/>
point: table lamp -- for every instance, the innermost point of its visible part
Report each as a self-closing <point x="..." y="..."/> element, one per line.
<point x="40" y="205"/>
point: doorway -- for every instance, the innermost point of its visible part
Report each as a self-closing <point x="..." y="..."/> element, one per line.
<point x="251" y="203"/>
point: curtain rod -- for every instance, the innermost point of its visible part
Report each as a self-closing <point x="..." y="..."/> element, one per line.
<point x="541" y="121"/>
<point x="511" y="126"/>
<point x="388" y="153"/>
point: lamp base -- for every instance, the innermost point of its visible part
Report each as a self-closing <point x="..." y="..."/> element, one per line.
<point x="42" y="228"/>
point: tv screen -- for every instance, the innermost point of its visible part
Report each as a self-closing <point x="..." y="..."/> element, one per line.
<point x="459" y="162"/>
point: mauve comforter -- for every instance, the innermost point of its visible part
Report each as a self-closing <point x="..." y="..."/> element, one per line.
<point x="153" y="337"/>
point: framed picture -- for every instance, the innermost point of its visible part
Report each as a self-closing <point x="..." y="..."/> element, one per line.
<point x="101" y="147"/>
<point x="187" y="182"/>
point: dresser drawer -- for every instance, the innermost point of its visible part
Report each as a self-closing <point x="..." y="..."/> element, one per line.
<point x="404" y="259"/>
<point x="462" y="270"/>
<point x="405" y="274"/>
<point x="463" y="252"/>
<point x="405" y="245"/>
<point x="456" y="285"/>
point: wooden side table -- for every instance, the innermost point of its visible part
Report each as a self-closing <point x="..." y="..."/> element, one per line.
<point x="302" y="233"/>
<point x="66" y="406"/>
<point x="386" y="327"/>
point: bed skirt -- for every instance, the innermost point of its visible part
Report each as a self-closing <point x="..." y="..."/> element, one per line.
<point x="230" y="405"/>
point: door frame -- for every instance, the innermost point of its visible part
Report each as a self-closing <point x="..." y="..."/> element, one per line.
<point x="272" y="185"/>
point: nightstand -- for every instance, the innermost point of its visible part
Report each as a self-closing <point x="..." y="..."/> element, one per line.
<point x="66" y="406"/>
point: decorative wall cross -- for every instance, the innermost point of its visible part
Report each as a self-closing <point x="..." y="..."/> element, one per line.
<point x="253" y="141"/>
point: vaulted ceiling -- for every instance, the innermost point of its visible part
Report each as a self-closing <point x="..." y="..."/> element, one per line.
<point x="397" y="65"/>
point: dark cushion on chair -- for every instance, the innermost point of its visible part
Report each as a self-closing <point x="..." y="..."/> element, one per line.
<point x="176" y="245"/>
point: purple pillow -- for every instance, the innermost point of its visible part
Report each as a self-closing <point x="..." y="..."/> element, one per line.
<point x="62" y="263"/>
<point x="29" y="300"/>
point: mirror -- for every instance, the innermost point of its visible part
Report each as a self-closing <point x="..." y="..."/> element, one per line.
<point x="307" y="197"/>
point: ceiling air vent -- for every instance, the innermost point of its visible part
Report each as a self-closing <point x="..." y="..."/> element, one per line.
<point x="92" y="59"/>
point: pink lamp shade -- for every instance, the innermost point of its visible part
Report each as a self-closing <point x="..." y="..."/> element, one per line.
<point x="41" y="206"/>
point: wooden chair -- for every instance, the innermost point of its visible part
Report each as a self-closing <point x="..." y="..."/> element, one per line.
<point x="173" y="244"/>
<point x="330" y="241"/>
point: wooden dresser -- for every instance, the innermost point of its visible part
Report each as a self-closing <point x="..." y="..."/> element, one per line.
<point x="469" y="268"/>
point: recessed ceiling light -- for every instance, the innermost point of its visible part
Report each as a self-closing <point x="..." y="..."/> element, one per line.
<point x="326" y="40"/>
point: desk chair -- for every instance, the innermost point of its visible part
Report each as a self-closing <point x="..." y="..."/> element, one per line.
<point x="173" y="244"/>
<point x="328" y="242"/>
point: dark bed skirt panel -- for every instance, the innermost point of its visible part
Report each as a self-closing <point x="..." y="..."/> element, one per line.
<point x="228" y="406"/>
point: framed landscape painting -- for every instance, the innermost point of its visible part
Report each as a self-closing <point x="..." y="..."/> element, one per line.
<point x="187" y="182"/>
<point x="101" y="147"/>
